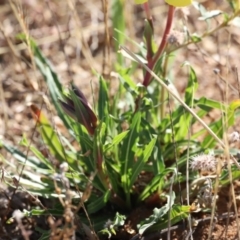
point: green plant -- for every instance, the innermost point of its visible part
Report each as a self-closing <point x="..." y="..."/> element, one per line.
<point x="119" y="145"/>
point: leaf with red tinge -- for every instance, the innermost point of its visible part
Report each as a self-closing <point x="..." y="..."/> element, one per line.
<point x="49" y="136"/>
<point x="78" y="108"/>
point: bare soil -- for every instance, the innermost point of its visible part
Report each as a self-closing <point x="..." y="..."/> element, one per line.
<point x="56" y="30"/>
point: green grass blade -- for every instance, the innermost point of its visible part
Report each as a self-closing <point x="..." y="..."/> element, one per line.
<point x="103" y="100"/>
<point x="191" y="87"/>
<point x="185" y="119"/>
<point x="208" y="104"/>
<point x="54" y="85"/>
<point x="48" y="134"/>
<point x="116" y="140"/>
<point x="19" y="155"/>
<point x="98" y="203"/>
<point x="118" y="22"/>
<point x="51" y="78"/>
<point x="137" y="168"/>
<point x="51" y="138"/>
<point x="128" y="154"/>
<point x="37" y="153"/>
<point x="156" y="184"/>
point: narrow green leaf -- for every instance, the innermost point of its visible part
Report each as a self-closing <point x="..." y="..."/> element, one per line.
<point x="138" y="166"/>
<point x="48" y="134"/>
<point x="40" y="212"/>
<point x="103" y="100"/>
<point x="45" y="236"/>
<point x="20" y="156"/>
<point x="156" y="184"/>
<point x="118" y="22"/>
<point x="37" y="153"/>
<point x="113" y="173"/>
<point x="218" y="128"/>
<point x="98" y="203"/>
<point x="225" y="180"/>
<point x="191" y="87"/>
<point x="128" y="150"/>
<point x="208" y="104"/>
<point x="116" y="140"/>
<point x="182" y="126"/>
<point x="51" y="138"/>
<point x="129" y="84"/>
<point x="54" y="85"/>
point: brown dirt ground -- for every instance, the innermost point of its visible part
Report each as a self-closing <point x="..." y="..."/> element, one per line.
<point x="50" y="21"/>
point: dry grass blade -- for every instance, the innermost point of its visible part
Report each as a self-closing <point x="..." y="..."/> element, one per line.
<point x="17" y="56"/>
<point x="19" y="14"/>
<point x="106" y="66"/>
<point x="85" y="50"/>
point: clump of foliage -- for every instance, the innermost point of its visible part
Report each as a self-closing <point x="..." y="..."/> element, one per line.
<point x="125" y="139"/>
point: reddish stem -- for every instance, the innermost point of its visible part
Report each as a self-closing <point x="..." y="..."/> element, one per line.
<point x="99" y="159"/>
<point x="147" y="10"/>
<point x="151" y="64"/>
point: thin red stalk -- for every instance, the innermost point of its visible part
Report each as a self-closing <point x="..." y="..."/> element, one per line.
<point x="162" y="45"/>
<point x="147" y="10"/>
<point x="99" y="159"/>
